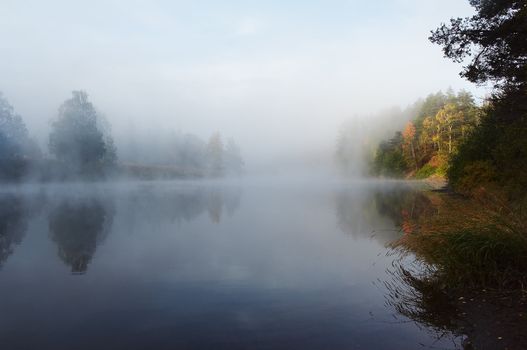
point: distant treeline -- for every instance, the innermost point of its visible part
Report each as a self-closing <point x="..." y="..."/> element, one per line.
<point x="186" y="152"/>
<point x="81" y="146"/>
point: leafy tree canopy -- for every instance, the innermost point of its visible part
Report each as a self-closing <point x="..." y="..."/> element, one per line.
<point x="495" y="39"/>
<point x="15" y="145"/>
<point x="78" y="138"/>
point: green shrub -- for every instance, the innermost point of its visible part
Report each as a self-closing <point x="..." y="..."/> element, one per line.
<point x="476" y="148"/>
<point x="443" y="164"/>
<point x="426" y="171"/>
<point x="496" y="152"/>
<point x="492" y="258"/>
<point x="474" y="174"/>
<point x="389" y="162"/>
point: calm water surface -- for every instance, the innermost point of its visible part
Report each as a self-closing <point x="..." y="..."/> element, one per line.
<point x="188" y="265"/>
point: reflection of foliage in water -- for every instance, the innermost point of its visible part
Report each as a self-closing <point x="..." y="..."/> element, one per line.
<point x="471" y="319"/>
<point x="477" y="242"/>
<point x="358" y="212"/>
<point x="183" y="204"/>
<point x="403" y="206"/>
<point x="351" y="213"/>
<point x="78" y="226"/>
<point x="415" y="293"/>
<point x="460" y="248"/>
<point x="356" y="215"/>
<point x="215" y="207"/>
<point x="14" y="216"/>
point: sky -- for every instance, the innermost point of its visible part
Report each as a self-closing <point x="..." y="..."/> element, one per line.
<point x="277" y="76"/>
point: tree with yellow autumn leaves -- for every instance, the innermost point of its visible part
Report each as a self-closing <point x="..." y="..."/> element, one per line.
<point x="430" y="139"/>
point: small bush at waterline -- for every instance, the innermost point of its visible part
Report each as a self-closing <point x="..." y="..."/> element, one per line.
<point x="426" y="171"/>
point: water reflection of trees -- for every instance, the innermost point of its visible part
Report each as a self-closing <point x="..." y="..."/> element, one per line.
<point x="381" y="213"/>
<point x="182" y="205"/>
<point x="220" y="201"/>
<point x="353" y="212"/>
<point x="77" y="226"/>
<point x="420" y="291"/>
<point x="14" y="218"/>
<point x="415" y="293"/>
<point x="404" y="205"/>
<point x="471" y="320"/>
<point x="413" y="289"/>
<point x="215" y="206"/>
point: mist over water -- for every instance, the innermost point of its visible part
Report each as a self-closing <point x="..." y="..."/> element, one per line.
<point x="214" y="264"/>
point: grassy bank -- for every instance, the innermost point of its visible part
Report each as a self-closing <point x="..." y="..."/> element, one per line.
<point x="468" y="279"/>
<point x="471" y="242"/>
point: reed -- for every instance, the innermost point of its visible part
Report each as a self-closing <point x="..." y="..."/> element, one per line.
<point x="473" y="243"/>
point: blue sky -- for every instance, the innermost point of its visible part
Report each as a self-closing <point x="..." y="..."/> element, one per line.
<point x="287" y="71"/>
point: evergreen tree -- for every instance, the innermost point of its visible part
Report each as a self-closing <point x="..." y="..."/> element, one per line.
<point x="495" y="39"/>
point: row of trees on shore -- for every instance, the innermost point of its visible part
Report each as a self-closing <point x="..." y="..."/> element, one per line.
<point x="214" y="157"/>
<point x="440" y="123"/>
<point x="474" y="146"/>
<point x="81" y="145"/>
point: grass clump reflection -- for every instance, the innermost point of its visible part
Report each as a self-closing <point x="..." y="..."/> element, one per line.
<point x="468" y="275"/>
<point x="478" y="242"/>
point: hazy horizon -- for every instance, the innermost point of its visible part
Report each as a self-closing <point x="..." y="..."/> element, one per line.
<point x="278" y="78"/>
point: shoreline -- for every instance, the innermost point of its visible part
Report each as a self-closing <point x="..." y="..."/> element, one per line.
<point x="447" y="234"/>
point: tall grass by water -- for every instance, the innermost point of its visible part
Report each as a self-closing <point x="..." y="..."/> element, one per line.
<point x="477" y="242"/>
